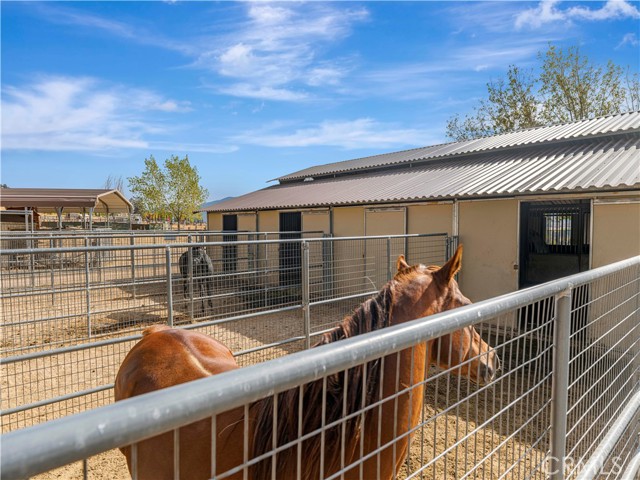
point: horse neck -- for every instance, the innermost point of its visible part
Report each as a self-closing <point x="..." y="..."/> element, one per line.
<point x="371" y="315"/>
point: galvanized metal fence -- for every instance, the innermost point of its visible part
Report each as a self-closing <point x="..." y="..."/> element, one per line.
<point x="107" y="237"/>
<point x="566" y="405"/>
<point x="69" y="315"/>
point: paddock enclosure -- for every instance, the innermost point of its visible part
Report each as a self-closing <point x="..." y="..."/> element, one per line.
<point x="568" y="390"/>
<point x="70" y="313"/>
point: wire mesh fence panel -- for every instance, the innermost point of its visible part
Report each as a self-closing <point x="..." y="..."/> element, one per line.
<point x="469" y="393"/>
<point x="95" y="291"/>
<point x="604" y="368"/>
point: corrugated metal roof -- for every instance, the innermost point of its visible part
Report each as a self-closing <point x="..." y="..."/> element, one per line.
<point x="71" y="199"/>
<point x="597" y="164"/>
<point x="610" y="125"/>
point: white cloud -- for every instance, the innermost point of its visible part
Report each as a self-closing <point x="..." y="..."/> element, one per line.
<point x="278" y="50"/>
<point x="348" y="134"/>
<point x="269" y="14"/>
<point x="324" y="75"/>
<point x="545" y="12"/>
<point x="548" y="11"/>
<point x="456" y="69"/>
<point x="249" y="90"/>
<point x="628" y="39"/>
<point x="82" y="114"/>
<point x="93" y="23"/>
<point x="613" y="9"/>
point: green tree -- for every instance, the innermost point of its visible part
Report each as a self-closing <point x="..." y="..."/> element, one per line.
<point x="568" y="87"/>
<point x="572" y="88"/>
<point x="170" y="191"/>
<point x="511" y="105"/>
<point x="632" y="82"/>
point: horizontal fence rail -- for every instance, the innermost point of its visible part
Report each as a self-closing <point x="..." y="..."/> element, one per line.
<point x="69" y="315"/>
<point x="11" y="240"/>
<point x="505" y="427"/>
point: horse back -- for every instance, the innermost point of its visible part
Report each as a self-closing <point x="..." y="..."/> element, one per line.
<point x="166" y="356"/>
<point x="163" y="358"/>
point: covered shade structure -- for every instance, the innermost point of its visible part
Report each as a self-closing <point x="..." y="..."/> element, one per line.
<point x="59" y="200"/>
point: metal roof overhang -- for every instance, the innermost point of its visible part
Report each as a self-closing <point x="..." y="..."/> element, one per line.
<point x="586" y="166"/>
<point x="70" y="200"/>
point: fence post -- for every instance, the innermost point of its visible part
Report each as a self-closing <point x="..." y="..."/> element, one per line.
<point x="99" y="258"/>
<point x="87" y="275"/>
<point x="132" y="242"/>
<point x="305" y="294"/>
<point x="190" y="280"/>
<point x="53" y="282"/>
<point x="169" y="285"/>
<point x="32" y="259"/>
<point x="265" y="271"/>
<point x="560" y="383"/>
<point x="447" y="248"/>
<point x="389" y="269"/>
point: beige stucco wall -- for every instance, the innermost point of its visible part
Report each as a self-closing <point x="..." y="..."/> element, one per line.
<point x="385" y="221"/>
<point x="316" y="221"/>
<point x="247" y="222"/>
<point x="348" y="221"/>
<point x="435" y="218"/>
<point x="349" y="271"/>
<point x="616" y="236"/>
<point x="488" y="231"/>
<point x="214" y="221"/>
<point x="616" y="232"/>
<point x="428" y="219"/>
<point x="269" y="221"/>
<point x="381" y="254"/>
<point x="246" y="253"/>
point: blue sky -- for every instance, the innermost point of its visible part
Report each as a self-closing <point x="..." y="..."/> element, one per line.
<point x="254" y="90"/>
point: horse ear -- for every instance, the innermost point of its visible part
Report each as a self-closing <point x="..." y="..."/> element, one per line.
<point x="449" y="269"/>
<point x="401" y="264"/>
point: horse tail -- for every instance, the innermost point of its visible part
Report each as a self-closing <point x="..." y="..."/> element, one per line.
<point x="154" y="329"/>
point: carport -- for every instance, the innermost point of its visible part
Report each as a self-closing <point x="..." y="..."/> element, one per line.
<point x="59" y="200"/>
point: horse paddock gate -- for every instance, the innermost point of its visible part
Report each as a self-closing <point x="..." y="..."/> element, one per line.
<point x="566" y="402"/>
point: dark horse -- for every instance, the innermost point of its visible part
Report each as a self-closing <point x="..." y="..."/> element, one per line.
<point x="166" y="357"/>
<point x="201" y="275"/>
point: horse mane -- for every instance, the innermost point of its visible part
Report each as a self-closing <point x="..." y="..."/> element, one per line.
<point x="372" y="315"/>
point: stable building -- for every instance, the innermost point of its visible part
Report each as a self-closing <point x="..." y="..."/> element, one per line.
<point x="529" y="206"/>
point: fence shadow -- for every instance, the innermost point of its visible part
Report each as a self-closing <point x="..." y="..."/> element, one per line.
<point x="116" y="322"/>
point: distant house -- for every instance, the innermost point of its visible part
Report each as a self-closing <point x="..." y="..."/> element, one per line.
<point x="528" y="206"/>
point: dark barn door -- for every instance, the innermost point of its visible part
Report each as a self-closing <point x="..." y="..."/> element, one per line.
<point x="230" y="252"/>
<point x="290" y="253"/>
<point x="554" y="243"/>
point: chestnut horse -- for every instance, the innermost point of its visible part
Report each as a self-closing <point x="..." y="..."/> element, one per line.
<point x="166" y="357"/>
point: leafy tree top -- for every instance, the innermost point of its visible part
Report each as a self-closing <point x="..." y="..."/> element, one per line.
<point x="567" y="88"/>
<point x="172" y="190"/>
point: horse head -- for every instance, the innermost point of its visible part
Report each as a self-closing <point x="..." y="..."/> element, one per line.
<point x="420" y="291"/>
